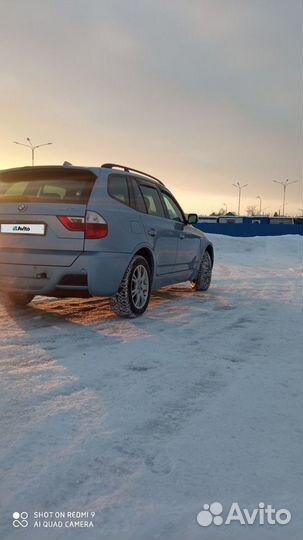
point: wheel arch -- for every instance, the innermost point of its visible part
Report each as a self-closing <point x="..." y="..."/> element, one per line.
<point x="210" y="250"/>
<point x="147" y="254"/>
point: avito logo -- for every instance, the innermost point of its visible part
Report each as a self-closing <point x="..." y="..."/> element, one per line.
<point x="24" y="228"/>
<point x="212" y="514"/>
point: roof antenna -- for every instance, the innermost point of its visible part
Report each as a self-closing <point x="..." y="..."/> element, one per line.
<point x="67" y="164"/>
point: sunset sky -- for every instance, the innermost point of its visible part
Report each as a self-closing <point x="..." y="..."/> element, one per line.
<point x="201" y="93"/>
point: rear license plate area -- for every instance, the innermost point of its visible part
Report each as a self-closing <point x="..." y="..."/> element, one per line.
<point x="36" y="229"/>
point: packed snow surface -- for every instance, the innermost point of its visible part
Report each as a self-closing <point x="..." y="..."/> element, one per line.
<point x="144" y="421"/>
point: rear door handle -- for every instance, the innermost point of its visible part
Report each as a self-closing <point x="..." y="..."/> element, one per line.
<point x="152" y="232"/>
<point x="182" y="236"/>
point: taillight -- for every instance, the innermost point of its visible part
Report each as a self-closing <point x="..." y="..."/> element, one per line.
<point x="93" y="225"/>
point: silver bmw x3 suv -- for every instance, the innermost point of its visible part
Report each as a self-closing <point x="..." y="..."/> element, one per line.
<point x="110" y="231"/>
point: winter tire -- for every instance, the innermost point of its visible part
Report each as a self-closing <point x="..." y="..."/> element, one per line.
<point x="203" y="279"/>
<point x="16" y="299"/>
<point x="133" y="295"/>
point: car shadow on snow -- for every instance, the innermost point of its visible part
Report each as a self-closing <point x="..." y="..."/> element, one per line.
<point x="89" y="323"/>
<point x="169" y="306"/>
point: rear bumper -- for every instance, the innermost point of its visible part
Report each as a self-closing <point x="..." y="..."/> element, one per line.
<point x="91" y="274"/>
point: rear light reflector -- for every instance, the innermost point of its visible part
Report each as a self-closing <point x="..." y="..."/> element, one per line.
<point x="93" y="225"/>
<point x="72" y="223"/>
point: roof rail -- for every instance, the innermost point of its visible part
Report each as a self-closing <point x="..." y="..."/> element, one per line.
<point x="130" y="169"/>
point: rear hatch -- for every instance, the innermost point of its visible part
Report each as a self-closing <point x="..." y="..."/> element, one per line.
<point x="32" y="202"/>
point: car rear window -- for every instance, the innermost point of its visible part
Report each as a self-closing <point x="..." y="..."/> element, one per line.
<point x="43" y="184"/>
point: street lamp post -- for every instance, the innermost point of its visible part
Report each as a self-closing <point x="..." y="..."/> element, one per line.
<point x="260" y="208"/>
<point x="237" y="185"/>
<point x="32" y="147"/>
<point x="284" y="184"/>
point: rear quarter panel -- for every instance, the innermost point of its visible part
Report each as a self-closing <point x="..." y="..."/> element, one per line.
<point x="125" y="227"/>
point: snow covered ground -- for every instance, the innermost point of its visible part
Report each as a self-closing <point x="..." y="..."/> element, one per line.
<point x="145" y="421"/>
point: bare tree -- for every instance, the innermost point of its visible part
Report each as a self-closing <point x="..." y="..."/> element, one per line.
<point x="251" y="210"/>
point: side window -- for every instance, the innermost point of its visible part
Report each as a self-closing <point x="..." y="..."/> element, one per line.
<point x="139" y="203"/>
<point x="174" y="211"/>
<point x="118" y="188"/>
<point x="152" y="200"/>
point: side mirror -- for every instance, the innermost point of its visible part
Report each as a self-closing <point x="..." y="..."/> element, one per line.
<point x="192" y="219"/>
